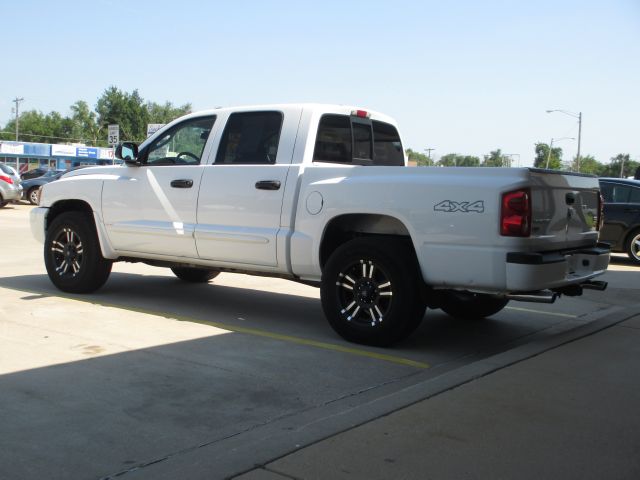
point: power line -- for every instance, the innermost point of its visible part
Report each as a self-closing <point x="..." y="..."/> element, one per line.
<point x="6" y="132"/>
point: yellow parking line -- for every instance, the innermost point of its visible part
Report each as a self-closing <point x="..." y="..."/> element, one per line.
<point x="255" y="332"/>
<point x="542" y="312"/>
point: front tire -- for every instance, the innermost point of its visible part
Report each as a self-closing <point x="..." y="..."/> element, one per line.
<point x="195" y="275"/>
<point x="633" y="246"/>
<point x="72" y="254"/>
<point x="370" y="292"/>
<point x="469" y="305"/>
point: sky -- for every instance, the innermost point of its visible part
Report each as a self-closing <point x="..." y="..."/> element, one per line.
<point x="462" y="76"/>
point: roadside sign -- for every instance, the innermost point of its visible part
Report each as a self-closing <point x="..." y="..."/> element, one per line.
<point x="114" y="134"/>
<point x="153" y="128"/>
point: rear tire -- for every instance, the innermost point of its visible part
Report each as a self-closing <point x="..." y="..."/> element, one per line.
<point x="3" y="202"/>
<point x="195" y="275"/>
<point x="469" y="305"/>
<point x="633" y="246"/>
<point x="33" y="195"/>
<point x="370" y="291"/>
<point x="72" y="254"/>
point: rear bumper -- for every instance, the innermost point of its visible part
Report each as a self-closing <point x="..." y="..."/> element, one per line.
<point x="12" y="194"/>
<point x="536" y="271"/>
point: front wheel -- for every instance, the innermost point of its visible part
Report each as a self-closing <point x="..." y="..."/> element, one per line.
<point x="370" y="293"/>
<point x="72" y="254"/>
<point x="469" y="305"/>
<point x="194" y="275"/>
<point x="633" y="246"/>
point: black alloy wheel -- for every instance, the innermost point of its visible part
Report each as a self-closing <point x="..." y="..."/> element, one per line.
<point x="72" y="254"/>
<point x="370" y="293"/>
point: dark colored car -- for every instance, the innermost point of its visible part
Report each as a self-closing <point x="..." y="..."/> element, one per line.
<point x="621" y="216"/>
<point x="31" y="188"/>
<point x="34" y="173"/>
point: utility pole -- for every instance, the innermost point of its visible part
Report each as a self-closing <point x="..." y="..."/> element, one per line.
<point x="429" y="150"/>
<point x="17" y="102"/>
<point x="579" y="137"/>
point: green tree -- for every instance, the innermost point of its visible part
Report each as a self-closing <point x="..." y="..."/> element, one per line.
<point x="542" y="155"/>
<point x="38" y="127"/>
<point x="588" y="164"/>
<point x="84" y="124"/>
<point x="621" y="166"/>
<point x="495" y="159"/>
<point x="455" y="160"/>
<point x="128" y="110"/>
<point x="420" y="158"/>
<point x="166" y="113"/>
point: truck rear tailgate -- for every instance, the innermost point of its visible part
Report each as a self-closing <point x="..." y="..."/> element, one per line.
<point x="564" y="209"/>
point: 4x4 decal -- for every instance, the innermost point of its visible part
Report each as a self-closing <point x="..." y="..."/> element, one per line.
<point x="450" y="206"/>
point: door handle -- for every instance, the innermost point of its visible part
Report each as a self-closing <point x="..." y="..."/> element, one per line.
<point x="182" y="183"/>
<point x="268" y="185"/>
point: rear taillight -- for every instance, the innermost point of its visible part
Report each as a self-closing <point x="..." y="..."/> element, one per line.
<point x="6" y="179"/>
<point x="515" y="214"/>
<point x="600" y="212"/>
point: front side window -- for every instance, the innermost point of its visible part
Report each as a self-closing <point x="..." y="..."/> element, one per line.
<point x="250" y="138"/>
<point x="181" y="145"/>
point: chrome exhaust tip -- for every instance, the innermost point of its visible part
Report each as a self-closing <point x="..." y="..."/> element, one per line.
<point x="543" y="296"/>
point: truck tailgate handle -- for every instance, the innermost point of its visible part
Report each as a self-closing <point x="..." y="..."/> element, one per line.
<point x="268" y="185"/>
<point x="182" y="183"/>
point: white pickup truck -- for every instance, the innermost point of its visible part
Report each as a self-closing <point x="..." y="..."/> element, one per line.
<point x="321" y="194"/>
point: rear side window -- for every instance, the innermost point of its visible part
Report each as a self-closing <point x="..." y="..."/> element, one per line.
<point x="386" y="145"/>
<point x="344" y="139"/>
<point x="250" y="138"/>
<point x="333" y="143"/>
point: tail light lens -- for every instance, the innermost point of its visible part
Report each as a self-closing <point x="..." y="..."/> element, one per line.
<point x="6" y="179"/>
<point x="515" y="214"/>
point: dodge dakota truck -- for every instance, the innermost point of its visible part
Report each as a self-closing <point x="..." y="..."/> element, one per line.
<point x="321" y="194"/>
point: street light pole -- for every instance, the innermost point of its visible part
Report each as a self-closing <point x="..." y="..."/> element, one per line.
<point x="551" y="147"/>
<point x="579" y="137"/>
<point x="579" y="117"/>
<point x="549" y="154"/>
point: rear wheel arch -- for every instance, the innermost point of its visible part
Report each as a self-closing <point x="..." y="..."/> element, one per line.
<point x="344" y="228"/>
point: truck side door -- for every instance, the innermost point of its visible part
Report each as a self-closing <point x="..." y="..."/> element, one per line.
<point x="151" y="208"/>
<point x="240" y="201"/>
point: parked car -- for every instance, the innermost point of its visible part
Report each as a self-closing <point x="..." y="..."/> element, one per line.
<point x="34" y="173"/>
<point x="31" y="187"/>
<point x="10" y="187"/>
<point x="621" y="216"/>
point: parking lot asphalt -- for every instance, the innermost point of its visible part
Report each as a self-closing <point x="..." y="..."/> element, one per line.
<point x="154" y="378"/>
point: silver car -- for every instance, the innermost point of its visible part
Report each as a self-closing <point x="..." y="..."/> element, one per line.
<point x="10" y="187"/>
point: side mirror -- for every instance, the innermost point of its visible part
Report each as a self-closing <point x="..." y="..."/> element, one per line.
<point x="127" y="151"/>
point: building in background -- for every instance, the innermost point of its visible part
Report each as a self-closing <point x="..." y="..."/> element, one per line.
<point x="24" y="156"/>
